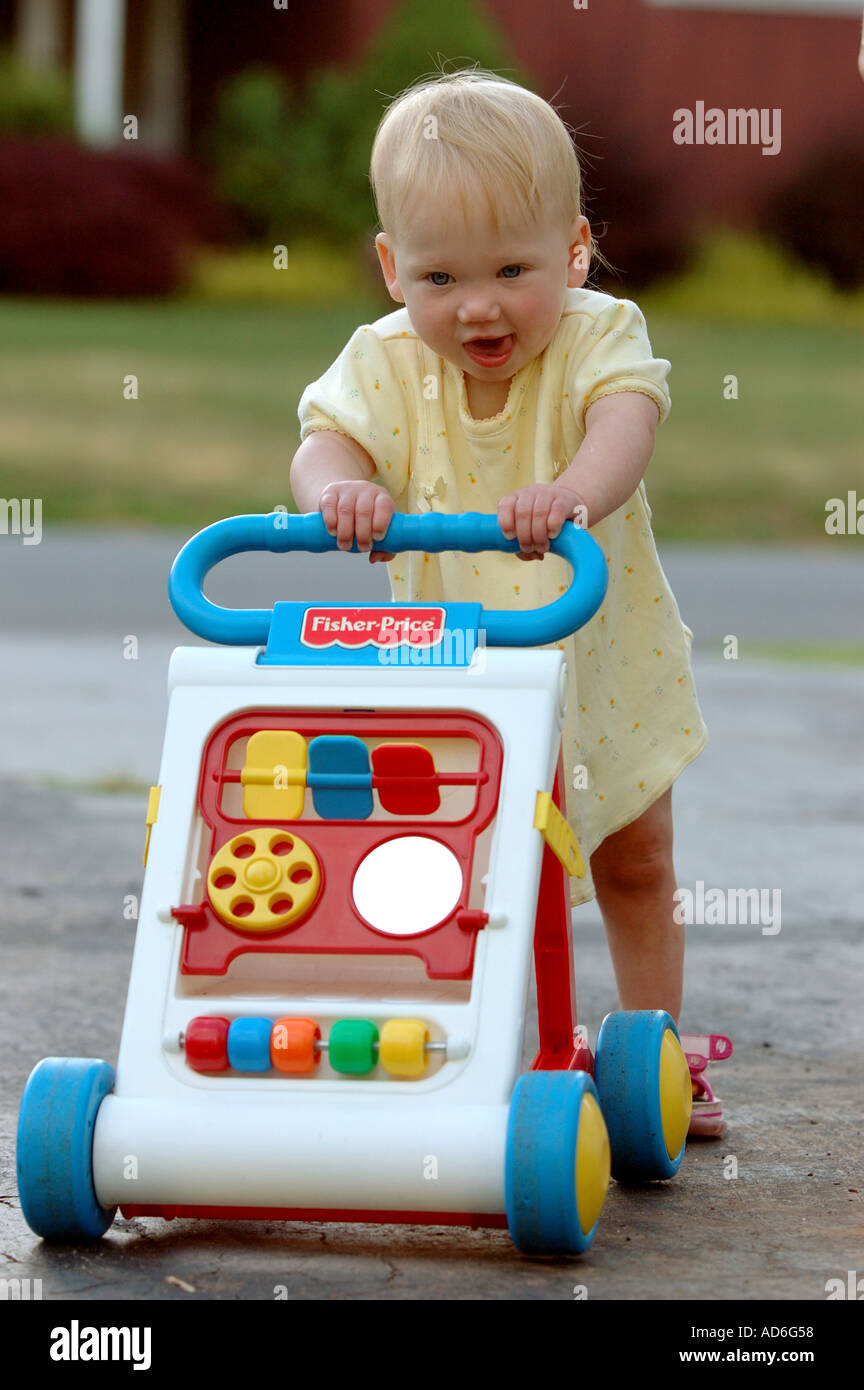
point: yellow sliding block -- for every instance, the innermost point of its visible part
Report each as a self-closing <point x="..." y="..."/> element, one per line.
<point x="274" y="775"/>
<point x="558" y="835"/>
<point x="151" y="817"/>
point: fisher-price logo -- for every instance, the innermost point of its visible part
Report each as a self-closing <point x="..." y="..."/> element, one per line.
<point x="372" y="627"/>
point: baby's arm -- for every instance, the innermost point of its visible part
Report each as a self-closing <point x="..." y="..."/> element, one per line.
<point x="332" y="473"/>
<point x="606" y="470"/>
<point x="610" y="462"/>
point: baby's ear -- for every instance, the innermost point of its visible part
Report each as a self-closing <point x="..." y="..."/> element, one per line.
<point x="384" y="247"/>
<point x="577" y="271"/>
<point x="580" y="254"/>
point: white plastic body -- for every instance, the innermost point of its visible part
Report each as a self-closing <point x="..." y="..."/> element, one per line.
<point x="170" y="1135"/>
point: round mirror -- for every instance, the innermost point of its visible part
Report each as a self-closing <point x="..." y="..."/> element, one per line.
<point x="407" y="885"/>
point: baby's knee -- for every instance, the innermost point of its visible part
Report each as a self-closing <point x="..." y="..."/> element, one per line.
<point x="634" y="860"/>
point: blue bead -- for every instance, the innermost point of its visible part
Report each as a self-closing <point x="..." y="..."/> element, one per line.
<point x="249" y="1044"/>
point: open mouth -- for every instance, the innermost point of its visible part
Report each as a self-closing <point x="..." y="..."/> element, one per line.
<point x="490" y="352"/>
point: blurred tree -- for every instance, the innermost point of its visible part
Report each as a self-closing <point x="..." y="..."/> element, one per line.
<point x="249" y="147"/>
<point x="297" y="165"/>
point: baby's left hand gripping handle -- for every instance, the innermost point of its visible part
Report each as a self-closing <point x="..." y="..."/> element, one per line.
<point x="471" y="532"/>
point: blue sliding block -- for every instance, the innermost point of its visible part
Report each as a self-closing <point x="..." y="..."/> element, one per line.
<point x="340" y="777"/>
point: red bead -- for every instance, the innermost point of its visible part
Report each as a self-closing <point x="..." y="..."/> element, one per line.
<point x="207" y="1044"/>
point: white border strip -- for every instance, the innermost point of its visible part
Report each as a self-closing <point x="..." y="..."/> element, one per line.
<point x="819" y="9"/>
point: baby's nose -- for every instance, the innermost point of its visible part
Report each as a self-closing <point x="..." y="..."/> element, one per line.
<point x="478" y="308"/>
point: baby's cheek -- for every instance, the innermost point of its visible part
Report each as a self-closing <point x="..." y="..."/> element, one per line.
<point x="539" y="307"/>
<point x="439" y="318"/>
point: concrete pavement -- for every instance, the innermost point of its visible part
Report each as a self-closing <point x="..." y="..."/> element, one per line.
<point x="773" y="803"/>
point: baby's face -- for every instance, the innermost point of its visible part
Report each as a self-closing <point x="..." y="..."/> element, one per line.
<point x="487" y="302"/>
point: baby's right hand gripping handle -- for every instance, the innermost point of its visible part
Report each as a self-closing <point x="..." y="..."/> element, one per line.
<point x="475" y="531"/>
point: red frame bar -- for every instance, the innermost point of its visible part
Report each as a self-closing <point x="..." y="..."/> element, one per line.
<point x="476" y="1220"/>
<point x="554" y="965"/>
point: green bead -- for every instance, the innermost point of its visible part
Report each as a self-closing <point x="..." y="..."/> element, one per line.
<point x="352" y="1049"/>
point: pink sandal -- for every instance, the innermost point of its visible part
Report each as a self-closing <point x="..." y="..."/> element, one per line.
<point x="707" y="1120"/>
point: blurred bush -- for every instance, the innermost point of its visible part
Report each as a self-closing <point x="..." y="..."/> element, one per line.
<point x="818" y="215"/>
<point x="313" y="274"/>
<point x="83" y="222"/>
<point x="740" y="277"/>
<point x="33" y="103"/>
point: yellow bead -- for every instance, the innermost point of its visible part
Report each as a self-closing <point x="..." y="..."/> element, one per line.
<point x="402" y="1046"/>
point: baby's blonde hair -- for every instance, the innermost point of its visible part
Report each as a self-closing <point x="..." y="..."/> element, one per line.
<point x="469" y="132"/>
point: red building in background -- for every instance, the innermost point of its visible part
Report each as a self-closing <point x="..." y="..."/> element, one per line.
<point x="618" y="70"/>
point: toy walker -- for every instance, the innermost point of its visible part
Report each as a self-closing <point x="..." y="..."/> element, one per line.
<point x="356" y="845"/>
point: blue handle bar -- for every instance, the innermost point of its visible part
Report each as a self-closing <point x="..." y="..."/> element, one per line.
<point x="471" y="531"/>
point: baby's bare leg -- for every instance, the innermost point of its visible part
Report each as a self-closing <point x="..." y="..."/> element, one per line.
<point x="635" y="880"/>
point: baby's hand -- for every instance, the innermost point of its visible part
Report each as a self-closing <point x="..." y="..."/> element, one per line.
<point x="534" y="516"/>
<point x="357" y="511"/>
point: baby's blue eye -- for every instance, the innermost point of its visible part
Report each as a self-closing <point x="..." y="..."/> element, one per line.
<point x="517" y="268"/>
<point x="433" y="273"/>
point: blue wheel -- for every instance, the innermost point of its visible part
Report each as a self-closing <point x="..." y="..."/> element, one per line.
<point x="55" y="1148"/>
<point x="557" y="1163"/>
<point x="643" y="1082"/>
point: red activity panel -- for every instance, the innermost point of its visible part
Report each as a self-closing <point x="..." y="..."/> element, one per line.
<point x="305" y="903"/>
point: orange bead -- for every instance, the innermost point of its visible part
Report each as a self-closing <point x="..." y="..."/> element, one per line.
<point x="293" y="1045"/>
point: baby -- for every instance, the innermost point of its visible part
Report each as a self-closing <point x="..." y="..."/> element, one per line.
<point x="505" y="386"/>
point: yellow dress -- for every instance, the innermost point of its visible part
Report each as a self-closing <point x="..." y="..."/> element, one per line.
<point x="633" y="719"/>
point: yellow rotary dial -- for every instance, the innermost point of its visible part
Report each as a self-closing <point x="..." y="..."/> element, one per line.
<point x="263" y="879"/>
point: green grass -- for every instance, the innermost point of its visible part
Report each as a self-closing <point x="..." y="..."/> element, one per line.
<point x="213" y="429"/>
<point x="763" y="466"/>
<point x="215" y="425"/>
<point x="808" y="653"/>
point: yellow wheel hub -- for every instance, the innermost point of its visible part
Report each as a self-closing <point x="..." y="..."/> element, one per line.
<point x="676" y="1093"/>
<point x="263" y="880"/>
<point x="593" y="1163"/>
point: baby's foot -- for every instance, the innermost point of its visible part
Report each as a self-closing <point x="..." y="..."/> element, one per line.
<point x="707" y="1120"/>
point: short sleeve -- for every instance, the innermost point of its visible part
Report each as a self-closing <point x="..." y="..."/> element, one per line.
<point x="359" y="395"/>
<point x="617" y="357"/>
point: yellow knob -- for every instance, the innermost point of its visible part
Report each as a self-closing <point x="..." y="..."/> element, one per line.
<point x="261" y="874"/>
